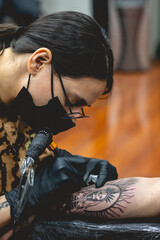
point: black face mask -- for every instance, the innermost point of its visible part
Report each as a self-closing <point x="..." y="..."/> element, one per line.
<point x="51" y="115"/>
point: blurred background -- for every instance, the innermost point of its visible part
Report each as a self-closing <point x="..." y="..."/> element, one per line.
<point x="125" y="127"/>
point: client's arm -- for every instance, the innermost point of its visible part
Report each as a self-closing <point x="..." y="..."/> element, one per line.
<point x="124" y="198"/>
<point x="4" y="212"/>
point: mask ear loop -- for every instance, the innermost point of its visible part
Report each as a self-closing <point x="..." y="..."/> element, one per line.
<point x="29" y="78"/>
<point x="64" y="91"/>
<point x="52" y="92"/>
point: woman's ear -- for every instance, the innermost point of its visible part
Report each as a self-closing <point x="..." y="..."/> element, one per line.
<point x="38" y="59"/>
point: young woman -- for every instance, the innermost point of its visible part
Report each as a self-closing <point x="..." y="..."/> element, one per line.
<point x="49" y="71"/>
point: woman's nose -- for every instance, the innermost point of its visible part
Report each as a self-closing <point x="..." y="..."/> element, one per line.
<point x="77" y="112"/>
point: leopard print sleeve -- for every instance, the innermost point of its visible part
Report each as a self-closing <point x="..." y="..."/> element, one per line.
<point x="15" y="137"/>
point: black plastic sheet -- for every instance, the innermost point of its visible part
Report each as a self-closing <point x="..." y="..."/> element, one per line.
<point x="74" y="229"/>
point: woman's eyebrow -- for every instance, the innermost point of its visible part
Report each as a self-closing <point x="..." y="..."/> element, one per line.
<point x="77" y="100"/>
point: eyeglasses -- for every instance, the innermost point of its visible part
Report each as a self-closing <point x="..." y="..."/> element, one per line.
<point x="73" y="115"/>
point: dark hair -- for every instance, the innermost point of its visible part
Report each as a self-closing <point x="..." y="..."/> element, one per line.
<point x="79" y="45"/>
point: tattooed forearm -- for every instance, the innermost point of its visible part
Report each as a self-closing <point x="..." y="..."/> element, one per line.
<point x="5" y="216"/>
<point x="4" y="204"/>
<point x="109" y="201"/>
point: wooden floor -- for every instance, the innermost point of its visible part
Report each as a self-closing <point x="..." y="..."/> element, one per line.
<point x="124" y="129"/>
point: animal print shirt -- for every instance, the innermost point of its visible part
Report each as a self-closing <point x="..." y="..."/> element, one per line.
<point x="15" y="137"/>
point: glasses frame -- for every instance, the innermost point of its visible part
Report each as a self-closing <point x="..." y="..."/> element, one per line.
<point x="71" y="114"/>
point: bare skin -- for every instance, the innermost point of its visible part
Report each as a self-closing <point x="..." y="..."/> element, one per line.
<point x="119" y="199"/>
<point x="4" y="212"/>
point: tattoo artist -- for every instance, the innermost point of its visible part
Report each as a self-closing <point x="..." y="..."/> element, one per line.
<point x="49" y="71"/>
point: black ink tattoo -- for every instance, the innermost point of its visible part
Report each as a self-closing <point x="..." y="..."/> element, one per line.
<point x="109" y="201"/>
<point x="4" y="205"/>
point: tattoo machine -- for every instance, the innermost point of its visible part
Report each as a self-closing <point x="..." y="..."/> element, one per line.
<point x="42" y="140"/>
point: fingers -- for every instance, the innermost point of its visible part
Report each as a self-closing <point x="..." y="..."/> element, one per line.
<point x="90" y="168"/>
<point x="102" y="177"/>
<point x="94" y="167"/>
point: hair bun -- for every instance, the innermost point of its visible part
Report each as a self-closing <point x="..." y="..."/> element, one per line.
<point x="19" y="31"/>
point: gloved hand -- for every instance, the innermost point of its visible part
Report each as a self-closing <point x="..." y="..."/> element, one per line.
<point x="60" y="178"/>
<point x="88" y="166"/>
<point x="53" y="185"/>
<point x="102" y="168"/>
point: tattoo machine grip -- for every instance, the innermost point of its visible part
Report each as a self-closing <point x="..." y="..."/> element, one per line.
<point x="41" y="141"/>
<point x="39" y="144"/>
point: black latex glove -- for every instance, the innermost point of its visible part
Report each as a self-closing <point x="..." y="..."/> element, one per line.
<point x="53" y="185"/>
<point x="102" y="168"/>
<point x="58" y="180"/>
